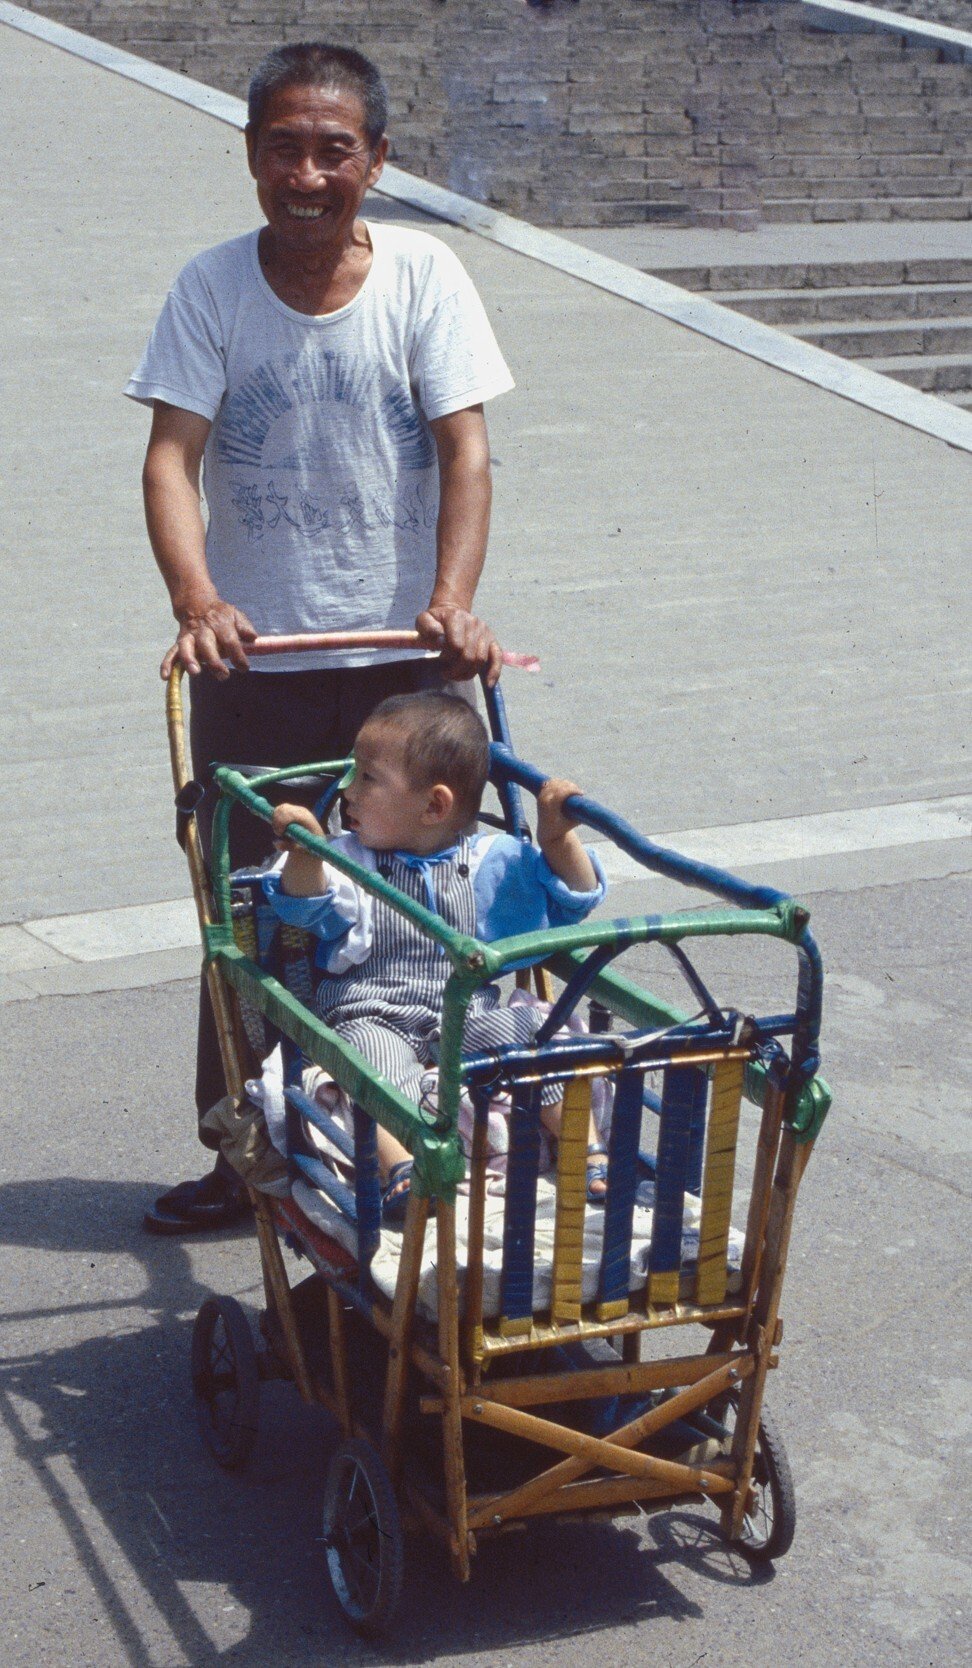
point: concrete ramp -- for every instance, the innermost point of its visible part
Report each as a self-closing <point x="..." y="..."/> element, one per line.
<point x="749" y="595"/>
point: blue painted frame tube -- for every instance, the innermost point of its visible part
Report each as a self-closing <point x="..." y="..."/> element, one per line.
<point x="700" y="1090"/>
<point x="573" y="992"/>
<point x="661" y="859"/>
<point x="507" y="767"/>
<point x="336" y="1133"/>
<point x="559" y="1057"/>
<point x="509" y="793"/>
<point x="316" y="1172"/>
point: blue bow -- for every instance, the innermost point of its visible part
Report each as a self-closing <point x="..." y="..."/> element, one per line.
<point x="422" y="863"/>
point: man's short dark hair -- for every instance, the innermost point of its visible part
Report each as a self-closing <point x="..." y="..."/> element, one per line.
<point x="443" y="740"/>
<point x="318" y="64"/>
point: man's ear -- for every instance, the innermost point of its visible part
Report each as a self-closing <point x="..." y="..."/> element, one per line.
<point x="377" y="162"/>
<point x="440" y="804"/>
<point x="250" y="136"/>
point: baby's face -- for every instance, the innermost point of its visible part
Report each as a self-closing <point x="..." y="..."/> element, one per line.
<point x="381" y="805"/>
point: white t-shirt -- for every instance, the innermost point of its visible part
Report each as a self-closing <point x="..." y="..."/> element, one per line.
<point x="320" y="469"/>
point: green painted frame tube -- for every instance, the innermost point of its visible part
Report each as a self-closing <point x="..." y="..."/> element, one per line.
<point x="439" y="1163"/>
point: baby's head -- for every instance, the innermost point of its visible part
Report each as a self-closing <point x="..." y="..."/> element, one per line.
<point x="421" y="763"/>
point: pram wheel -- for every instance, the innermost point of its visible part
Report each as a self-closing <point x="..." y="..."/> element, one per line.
<point x="363" y="1537"/>
<point x="769" y="1526"/>
<point x="225" y="1381"/>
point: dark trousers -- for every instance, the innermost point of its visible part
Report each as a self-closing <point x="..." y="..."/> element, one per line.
<point x="275" y="719"/>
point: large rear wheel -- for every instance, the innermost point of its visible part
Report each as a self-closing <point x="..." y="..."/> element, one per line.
<point x="225" y="1381"/>
<point x="364" y="1541"/>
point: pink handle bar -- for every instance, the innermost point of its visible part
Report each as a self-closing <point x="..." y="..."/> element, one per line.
<point x="307" y="640"/>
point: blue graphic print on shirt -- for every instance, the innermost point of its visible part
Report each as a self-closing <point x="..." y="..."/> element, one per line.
<point x="309" y="382"/>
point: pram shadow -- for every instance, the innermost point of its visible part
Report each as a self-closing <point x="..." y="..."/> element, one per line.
<point x="565" y="1580"/>
<point x="192" y="1565"/>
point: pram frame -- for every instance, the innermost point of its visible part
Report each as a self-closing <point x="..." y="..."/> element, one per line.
<point x="456" y="1366"/>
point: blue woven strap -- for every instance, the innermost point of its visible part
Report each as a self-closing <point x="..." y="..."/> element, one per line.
<point x="680" y="1112"/>
<point x="693" y="1173"/>
<point x="519" y="1221"/>
<point x="622" y="1182"/>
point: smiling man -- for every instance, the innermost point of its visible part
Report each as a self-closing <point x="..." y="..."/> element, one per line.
<point x="326" y="376"/>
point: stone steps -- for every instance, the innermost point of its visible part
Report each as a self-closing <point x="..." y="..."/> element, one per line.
<point x="818" y="275"/>
<point x="911" y="320"/>
<point x="873" y="187"/>
<point x="914" y="170"/>
<point x="882" y="338"/>
<point x="935" y="373"/>
<point x="852" y="303"/>
<point x="820" y="127"/>
<point x="793" y="210"/>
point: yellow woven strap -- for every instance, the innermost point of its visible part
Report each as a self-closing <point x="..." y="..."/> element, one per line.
<point x="244" y="931"/>
<point x="571" y="1199"/>
<point x="720" y="1169"/>
<point x="663" y="1288"/>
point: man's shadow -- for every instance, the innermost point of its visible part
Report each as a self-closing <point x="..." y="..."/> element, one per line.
<point x="193" y="1564"/>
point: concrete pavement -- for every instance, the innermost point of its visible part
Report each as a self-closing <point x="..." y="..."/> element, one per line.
<point x="751" y="604"/>
<point x="124" y="1546"/>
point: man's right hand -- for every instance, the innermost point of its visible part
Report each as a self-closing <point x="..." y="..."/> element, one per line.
<point x="209" y="637"/>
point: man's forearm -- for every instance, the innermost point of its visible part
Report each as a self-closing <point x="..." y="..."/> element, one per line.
<point x="462" y="532"/>
<point x="466" y="644"/>
<point x="465" y="497"/>
<point x="173" y="515"/>
<point x="211" y="631"/>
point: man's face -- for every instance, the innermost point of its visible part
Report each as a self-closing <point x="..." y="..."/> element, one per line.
<point x="312" y="164"/>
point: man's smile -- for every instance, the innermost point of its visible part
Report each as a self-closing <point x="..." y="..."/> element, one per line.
<point x="306" y="211"/>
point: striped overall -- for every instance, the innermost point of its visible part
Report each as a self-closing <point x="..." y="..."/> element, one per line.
<point x="390" y="1006"/>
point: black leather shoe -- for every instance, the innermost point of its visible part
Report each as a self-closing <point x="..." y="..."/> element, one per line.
<point x="198" y="1207"/>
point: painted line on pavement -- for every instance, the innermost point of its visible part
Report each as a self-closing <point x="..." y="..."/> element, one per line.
<point x="133" y="930"/>
<point x="824" y="834"/>
<point x="842" y="377"/>
<point x="146" y="929"/>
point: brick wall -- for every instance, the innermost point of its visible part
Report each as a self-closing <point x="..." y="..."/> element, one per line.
<point x="569" y="113"/>
<point x="576" y="112"/>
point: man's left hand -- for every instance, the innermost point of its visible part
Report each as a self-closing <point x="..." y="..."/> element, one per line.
<point x="467" y="644"/>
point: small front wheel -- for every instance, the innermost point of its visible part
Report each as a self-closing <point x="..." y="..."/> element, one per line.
<point x="363" y="1537"/>
<point x="769" y="1525"/>
<point x="225" y="1381"/>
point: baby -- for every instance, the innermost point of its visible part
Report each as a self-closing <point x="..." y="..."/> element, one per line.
<point x="421" y="764"/>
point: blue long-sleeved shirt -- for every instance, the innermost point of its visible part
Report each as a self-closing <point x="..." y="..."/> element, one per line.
<point x="514" y="888"/>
